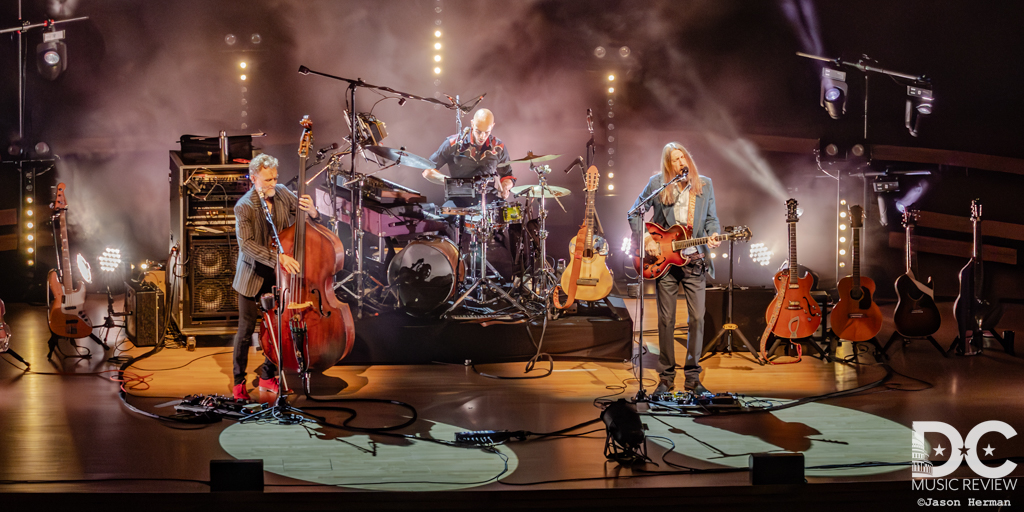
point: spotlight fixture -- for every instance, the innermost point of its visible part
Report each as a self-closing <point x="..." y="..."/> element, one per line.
<point x="919" y="103"/>
<point x="833" y="92"/>
<point x="52" y="54"/>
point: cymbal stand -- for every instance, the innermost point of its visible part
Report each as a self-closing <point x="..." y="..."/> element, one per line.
<point x="544" y="277"/>
<point x="482" y="236"/>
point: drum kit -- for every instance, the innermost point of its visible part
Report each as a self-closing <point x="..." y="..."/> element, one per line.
<point x="434" y="275"/>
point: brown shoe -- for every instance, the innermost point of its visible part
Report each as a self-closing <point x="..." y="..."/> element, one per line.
<point x="664" y="386"/>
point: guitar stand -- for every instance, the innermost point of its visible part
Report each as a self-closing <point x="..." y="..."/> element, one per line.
<point x="18" y="357"/>
<point x="54" y="339"/>
<point x="1006" y="340"/>
<point x="907" y="339"/>
<point x="726" y="332"/>
<point x="822" y="354"/>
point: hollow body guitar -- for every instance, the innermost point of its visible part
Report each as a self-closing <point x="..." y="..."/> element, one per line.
<point x="5" y="330"/>
<point x="673" y="242"/>
<point x="916" y="314"/>
<point x="593" y="281"/>
<point x="799" y="315"/>
<point x="856" y="317"/>
<point x="67" y="317"/>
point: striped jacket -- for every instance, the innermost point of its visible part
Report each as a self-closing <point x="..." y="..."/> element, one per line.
<point x="254" y="236"/>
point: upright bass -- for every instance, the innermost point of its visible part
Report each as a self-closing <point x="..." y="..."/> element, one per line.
<point x="317" y="329"/>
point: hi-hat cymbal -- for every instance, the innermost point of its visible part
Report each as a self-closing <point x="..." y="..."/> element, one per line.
<point x="539" y="191"/>
<point x="401" y="157"/>
<point x="532" y="158"/>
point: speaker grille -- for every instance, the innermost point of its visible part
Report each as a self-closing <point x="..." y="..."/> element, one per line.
<point x="211" y="271"/>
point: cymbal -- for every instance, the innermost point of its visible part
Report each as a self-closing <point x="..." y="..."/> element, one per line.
<point x="532" y="158"/>
<point x="538" y="191"/>
<point x="401" y="156"/>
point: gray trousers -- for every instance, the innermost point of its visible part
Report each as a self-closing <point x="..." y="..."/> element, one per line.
<point x="692" y="279"/>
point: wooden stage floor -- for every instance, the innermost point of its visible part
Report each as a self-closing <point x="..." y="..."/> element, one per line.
<point x="69" y="440"/>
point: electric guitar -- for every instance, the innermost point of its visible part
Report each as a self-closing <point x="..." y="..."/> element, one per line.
<point x="673" y="241"/>
<point x="856" y="317"/>
<point x="5" y="331"/>
<point x="793" y="313"/>
<point x="67" y="313"/>
<point x="586" y="277"/>
<point x="973" y="312"/>
<point x="916" y="314"/>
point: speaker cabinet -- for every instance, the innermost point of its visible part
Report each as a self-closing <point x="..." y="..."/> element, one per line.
<point x="144" y="305"/>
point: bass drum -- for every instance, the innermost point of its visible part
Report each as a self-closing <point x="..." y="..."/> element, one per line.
<point x="426" y="274"/>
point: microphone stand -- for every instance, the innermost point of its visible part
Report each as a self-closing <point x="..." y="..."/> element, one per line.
<point x="639" y="211"/>
<point x="281" y="410"/>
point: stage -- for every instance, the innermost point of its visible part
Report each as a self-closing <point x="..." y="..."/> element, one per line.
<point x="71" y="442"/>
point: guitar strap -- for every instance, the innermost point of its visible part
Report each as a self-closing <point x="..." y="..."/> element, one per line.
<point x="776" y="309"/>
<point x="692" y="208"/>
<point x="574" y="275"/>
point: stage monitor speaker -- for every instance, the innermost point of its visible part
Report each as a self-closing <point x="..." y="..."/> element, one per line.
<point x="236" y="475"/>
<point x="144" y="305"/>
<point x="776" y="468"/>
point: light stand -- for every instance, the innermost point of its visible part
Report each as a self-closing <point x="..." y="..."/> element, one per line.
<point x="728" y="327"/>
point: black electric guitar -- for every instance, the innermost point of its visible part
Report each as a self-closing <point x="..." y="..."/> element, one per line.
<point x="973" y="312"/>
<point x="916" y="314"/>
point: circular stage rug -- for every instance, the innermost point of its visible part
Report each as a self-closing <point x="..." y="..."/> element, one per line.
<point x="330" y="457"/>
<point x="825" y="434"/>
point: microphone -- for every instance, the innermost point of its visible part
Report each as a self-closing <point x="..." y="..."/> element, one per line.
<point x="321" y="152"/>
<point x="590" y="120"/>
<point x="578" y="161"/>
<point x="304" y="70"/>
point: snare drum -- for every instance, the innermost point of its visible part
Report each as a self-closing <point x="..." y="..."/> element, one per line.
<point x="426" y="274"/>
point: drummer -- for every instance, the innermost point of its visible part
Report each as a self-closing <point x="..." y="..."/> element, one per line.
<point x="474" y="152"/>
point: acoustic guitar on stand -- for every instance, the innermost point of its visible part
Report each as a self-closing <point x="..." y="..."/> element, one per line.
<point x="916" y="314"/>
<point x="67" y="312"/>
<point x="793" y="314"/>
<point x="586" y="277"/>
<point x="856" y="316"/>
<point x="674" y="241"/>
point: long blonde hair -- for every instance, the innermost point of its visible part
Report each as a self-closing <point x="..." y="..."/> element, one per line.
<point x="669" y="195"/>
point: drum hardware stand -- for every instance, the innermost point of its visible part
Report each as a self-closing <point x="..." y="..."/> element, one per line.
<point x="545" y="274"/>
<point x="728" y="327"/>
<point x="638" y="212"/>
<point x="483" y="281"/>
<point x="357" y="213"/>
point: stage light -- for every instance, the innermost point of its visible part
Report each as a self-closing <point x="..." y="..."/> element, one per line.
<point x="52" y="54"/>
<point x="624" y="52"/>
<point x="437" y="71"/>
<point x="713" y="256"/>
<point x="842" y="201"/>
<point x="919" y="103"/>
<point x="255" y="39"/>
<point x="842" y="264"/>
<point x="833" y="92"/>
<point x="28" y="200"/>
<point x="842" y="252"/>
<point x="842" y="214"/>
<point x="110" y="259"/>
<point x="611" y="78"/>
<point x="725" y="255"/>
<point x="242" y="77"/>
<point x="611" y="175"/>
<point x="600" y="52"/>
<point x="437" y="46"/>
<point x="842" y="239"/>
<point x="842" y="227"/>
<point x="611" y="90"/>
<point x="611" y="187"/>
<point x="437" y="33"/>
<point x="28" y="212"/>
<point x="30" y="262"/>
<point x="31" y="237"/>
<point x="627" y="244"/>
<point x="760" y="254"/>
<point x="242" y="65"/>
<point x="30" y="250"/>
<point x="230" y="39"/>
<point x="611" y="163"/>
<point x="437" y="58"/>
<point x="84" y="269"/>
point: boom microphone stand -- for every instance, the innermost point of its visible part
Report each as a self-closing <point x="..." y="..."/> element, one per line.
<point x="639" y="211"/>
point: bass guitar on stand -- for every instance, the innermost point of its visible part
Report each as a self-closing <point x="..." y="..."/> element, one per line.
<point x="67" y="317"/>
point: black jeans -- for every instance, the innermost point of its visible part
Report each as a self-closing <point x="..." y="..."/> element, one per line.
<point x="248" y="312"/>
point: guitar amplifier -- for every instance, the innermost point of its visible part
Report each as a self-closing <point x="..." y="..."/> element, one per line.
<point x="144" y="306"/>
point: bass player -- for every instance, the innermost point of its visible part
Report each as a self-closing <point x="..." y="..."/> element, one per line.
<point x="690" y="202"/>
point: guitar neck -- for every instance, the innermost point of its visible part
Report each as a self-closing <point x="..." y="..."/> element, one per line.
<point x="793" y="266"/>
<point x="678" y="245"/>
<point x="65" y="272"/>
<point x="977" y="257"/>
<point x="589" y="220"/>
<point x="856" y="256"/>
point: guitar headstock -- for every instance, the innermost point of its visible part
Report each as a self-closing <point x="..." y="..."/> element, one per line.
<point x="591" y="178"/>
<point x="910" y="217"/>
<point x="741" y="233"/>
<point x="307" y="136"/>
<point x="856" y="216"/>
<point x="791" y="213"/>
<point x="60" y="203"/>
<point x="975" y="210"/>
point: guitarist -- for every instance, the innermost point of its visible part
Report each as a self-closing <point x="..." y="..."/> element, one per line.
<point x="254" y="273"/>
<point x="690" y="202"/>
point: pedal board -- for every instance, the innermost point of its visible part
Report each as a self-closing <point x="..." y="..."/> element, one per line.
<point x="217" y="404"/>
<point x="688" y="400"/>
